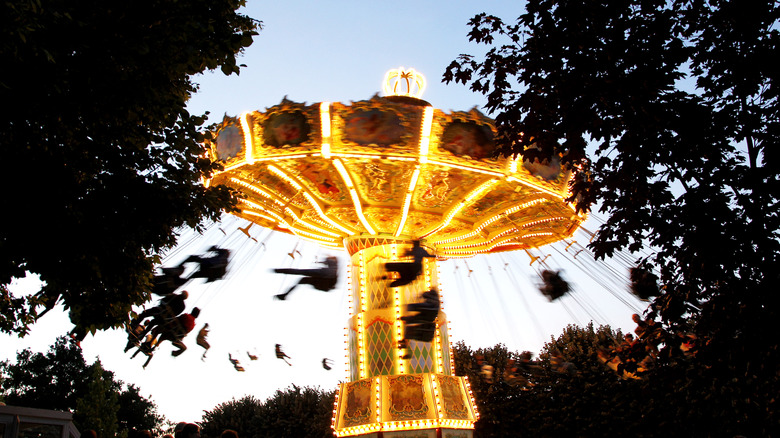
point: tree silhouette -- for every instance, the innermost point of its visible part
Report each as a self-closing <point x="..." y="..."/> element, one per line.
<point x="61" y="379"/>
<point x="592" y="401"/>
<point x="669" y="110"/>
<point x="97" y="408"/>
<point x="239" y="415"/>
<point x="294" y="411"/>
<point x="107" y="162"/>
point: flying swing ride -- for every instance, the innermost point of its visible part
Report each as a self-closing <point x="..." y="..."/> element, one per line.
<point x="394" y="182"/>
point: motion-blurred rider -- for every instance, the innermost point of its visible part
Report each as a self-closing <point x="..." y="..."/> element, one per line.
<point x="407" y="272"/>
<point x="323" y="279"/>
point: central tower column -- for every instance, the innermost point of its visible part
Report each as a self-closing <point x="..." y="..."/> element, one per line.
<point x="392" y="391"/>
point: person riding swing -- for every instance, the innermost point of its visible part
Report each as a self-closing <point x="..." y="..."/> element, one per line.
<point x="323" y="279"/>
<point x="407" y="272"/>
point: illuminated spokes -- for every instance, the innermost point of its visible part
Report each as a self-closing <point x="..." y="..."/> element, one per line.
<point x="408" y="200"/>
<point x="511" y="235"/>
<point x="355" y="198"/>
<point x="481" y="225"/>
<point x="482" y="188"/>
<point x="309" y="198"/>
<point x="298" y="227"/>
<point x="276" y="208"/>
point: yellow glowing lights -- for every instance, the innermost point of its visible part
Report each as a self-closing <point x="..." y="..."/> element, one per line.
<point x="408" y="200"/>
<point x="321" y="210"/>
<point x="404" y="82"/>
<point x="247" y="136"/>
<point x="468" y="168"/>
<point x="325" y="128"/>
<point x="535" y="186"/>
<point x="309" y="198"/>
<point x="474" y="193"/>
<point x="353" y="193"/>
<point x="485" y="223"/>
<point x="425" y="133"/>
<point x="439" y="356"/>
<point x="361" y="348"/>
<point x="331" y="187"/>
<point x="513" y="162"/>
<point x="398" y="332"/>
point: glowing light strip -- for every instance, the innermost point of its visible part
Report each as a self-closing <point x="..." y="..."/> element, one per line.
<point x="355" y="199"/>
<point x="247" y="137"/>
<point x="315" y="205"/>
<point x="446" y="324"/>
<point x="325" y="217"/>
<point x="259" y="207"/>
<point x="350" y="312"/>
<point x="471" y="396"/>
<point x="278" y="219"/>
<point x="285" y="157"/>
<point x="453" y="211"/>
<point x="362" y="283"/>
<point x="361" y="348"/>
<point x="425" y="133"/>
<point x="361" y="324"/>
<point x="398" y="334"/>
<point x="506" y="242"/>
<point x="492" y="219"/>
<point x="398" y="326"/>
<point x="314" y="227"/>
<point x="287" y="209"/>
<point x="372" y="156"/>
<point x="469" y="168"/>
<point x="378" y="398"/>
<point x="535" y="187"/>
<point x="336" y="408"/>
<point x="512" y="163"/>
<point x="259" y="191"/>
<point x="437" y="398"/>
<point x="408" y="201"/>
<point x="508" y="231"/>
<point x="325" y="128"/>
<point x="439" y="351"/>
<point x="283" y="175"/>
<point x="408" y="425"/>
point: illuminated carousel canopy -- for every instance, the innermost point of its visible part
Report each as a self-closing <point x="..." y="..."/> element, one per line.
<point x="390" y="167"/>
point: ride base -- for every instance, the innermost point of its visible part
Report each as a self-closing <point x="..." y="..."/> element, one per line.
<point x="388" y="395"/>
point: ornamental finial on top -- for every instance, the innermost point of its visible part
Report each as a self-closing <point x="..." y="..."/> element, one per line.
<point x="404" y="82"/>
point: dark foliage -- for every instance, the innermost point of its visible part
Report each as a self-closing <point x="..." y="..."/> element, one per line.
<point x="669" y="112"/>
<point x="60" y="379"/>
<point x="291" y="412"/>
<point x="591" y="401"/>
<point x="239" y="415"/>
<point x="104" y="160"/>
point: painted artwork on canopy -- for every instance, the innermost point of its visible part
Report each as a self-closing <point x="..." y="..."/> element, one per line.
<point x="358" y="409"/>
<point x="548" y="170"/>
<point x="229" y="143"/>
<point x="452" y="396"/>
<point x="468" y="139"/>
<point x="323" y="177"/>
<point x="381" y="181"/>
<point x="373" y="126"/>
<point x="407" y="397"/>
<point x="286" y="129"/>
<point x="440" y="187"/>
